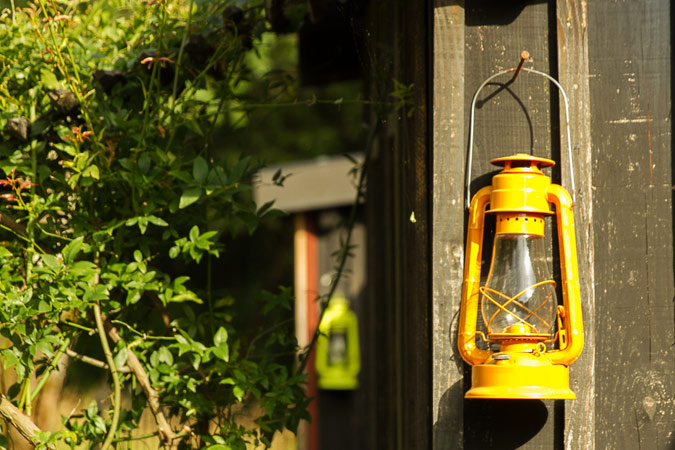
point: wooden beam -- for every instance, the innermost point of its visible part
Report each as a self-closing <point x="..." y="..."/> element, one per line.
<point x="630" y="50"/>
<point x="510" y="118"/>
<point x="307" y="316"/>
<point x="447" y="221"/>
<point x="573" y="70"/>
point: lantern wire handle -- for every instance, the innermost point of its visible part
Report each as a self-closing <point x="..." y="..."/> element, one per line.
<point x="471" y="124"/>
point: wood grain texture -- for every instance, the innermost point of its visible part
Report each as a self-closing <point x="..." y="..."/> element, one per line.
<point x="520" y="117"/>
<point x="630" y="84"/>
<point x="398" y="190"/>
<point x="514" y="118"/>
<point x="415" y="259"/>
<point x="573" y="70"/>
<point x="448" y="221"/>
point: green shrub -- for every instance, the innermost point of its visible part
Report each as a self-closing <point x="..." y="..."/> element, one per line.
<point x="112" y="191"/>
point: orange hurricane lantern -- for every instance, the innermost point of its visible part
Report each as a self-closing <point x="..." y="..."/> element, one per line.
<point x="538" y="338"/>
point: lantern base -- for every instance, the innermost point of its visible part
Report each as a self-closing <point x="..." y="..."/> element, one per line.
<point x="338" y="383"/>
<point x="504" y="379"/>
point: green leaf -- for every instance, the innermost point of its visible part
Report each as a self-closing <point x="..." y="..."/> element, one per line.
<point x="92" y="172"/>
<point x="51" y="261"/>
<point x="11" y="360"/>
<point x="165" y="356"/>
<point x="220" y="337"/>
<point x="95" y="293"/>
<point x="142" y="224"/>
<point x="204" y="95"/>
<point x="200" y="169"/>
<point x="194" y="233"/>
<point x="48" y="79"/>
<point x="144" y="163"/>
<point x="238" y="392"/>
<point x="71" y="250"/>
<point x="120" y="358"/>
<point x="4" y="253"/>
<point x="174" y="252"/>
<point x="189" y="196"/>
<point x="92" y="409"/>
<point x="99" y="424"/>
<point x="82" y="268"/>
<point x="133" y="296"/>
<point x="221" y="349"/>
<point x="45" y="347"/>
<point x="157" y="221"/>
<point x="221" y="352"/>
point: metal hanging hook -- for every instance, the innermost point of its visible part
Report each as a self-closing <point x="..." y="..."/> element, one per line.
<point x="517" y="70"/>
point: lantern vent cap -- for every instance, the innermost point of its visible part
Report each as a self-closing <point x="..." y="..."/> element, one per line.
<point x="520" y="159"/>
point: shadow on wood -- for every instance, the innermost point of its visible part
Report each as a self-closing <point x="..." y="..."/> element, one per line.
<point x="503" y="424"/>
<point x="495" y="12"/>
<point x="448" y="427"/>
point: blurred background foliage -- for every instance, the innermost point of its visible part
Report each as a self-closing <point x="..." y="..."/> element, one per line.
<point x="118" y="142"/>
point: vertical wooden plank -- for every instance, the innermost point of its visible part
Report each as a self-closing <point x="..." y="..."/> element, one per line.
<point x="399" y="263"/>
<point x="573" y="70"/>
<point x="515" y="118"/>
<point x="448" y="220"/>
<point x="630" y="80"/>
<point x="414" y="266"/>
<point x="379" y="368"/>
<point x="511" y="118"/>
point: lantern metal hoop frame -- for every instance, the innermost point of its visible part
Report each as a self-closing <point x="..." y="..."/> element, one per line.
<point x="517" y="70"/>
<point x="513" y="300"/>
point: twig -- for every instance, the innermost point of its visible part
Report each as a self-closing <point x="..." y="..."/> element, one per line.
<point x="23" y="424"/>
<point x="150" y="393"/>
<point x="117" y="390"/>
<point x="13" y="225"/>
<point x="266" y="332"/>
<point x="52" y="365"/>
<point x="94" y="362"/>
<point x="141" y="334"/>
<point x="141" y="437"/>
<point x="343" y="257"/>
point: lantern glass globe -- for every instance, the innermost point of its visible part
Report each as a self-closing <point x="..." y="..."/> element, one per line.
<point x="519" y="296"/>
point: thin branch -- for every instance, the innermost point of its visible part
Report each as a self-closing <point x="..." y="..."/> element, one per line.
<point x="52" y="365"/>
<point x="266" y="332"/>
<point x="94" y="362"/>
<point x="117" y="390"/>
<point x="345" y="254"/>
<point x="143" y="335"/>
<point x="12" y="224"/>
<point x="169" y="436"/>
<point x="147" y="436"/>
<point x="23" y="423"/>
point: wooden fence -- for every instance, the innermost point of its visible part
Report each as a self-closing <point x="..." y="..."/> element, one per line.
<point x="614" y="60"/>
